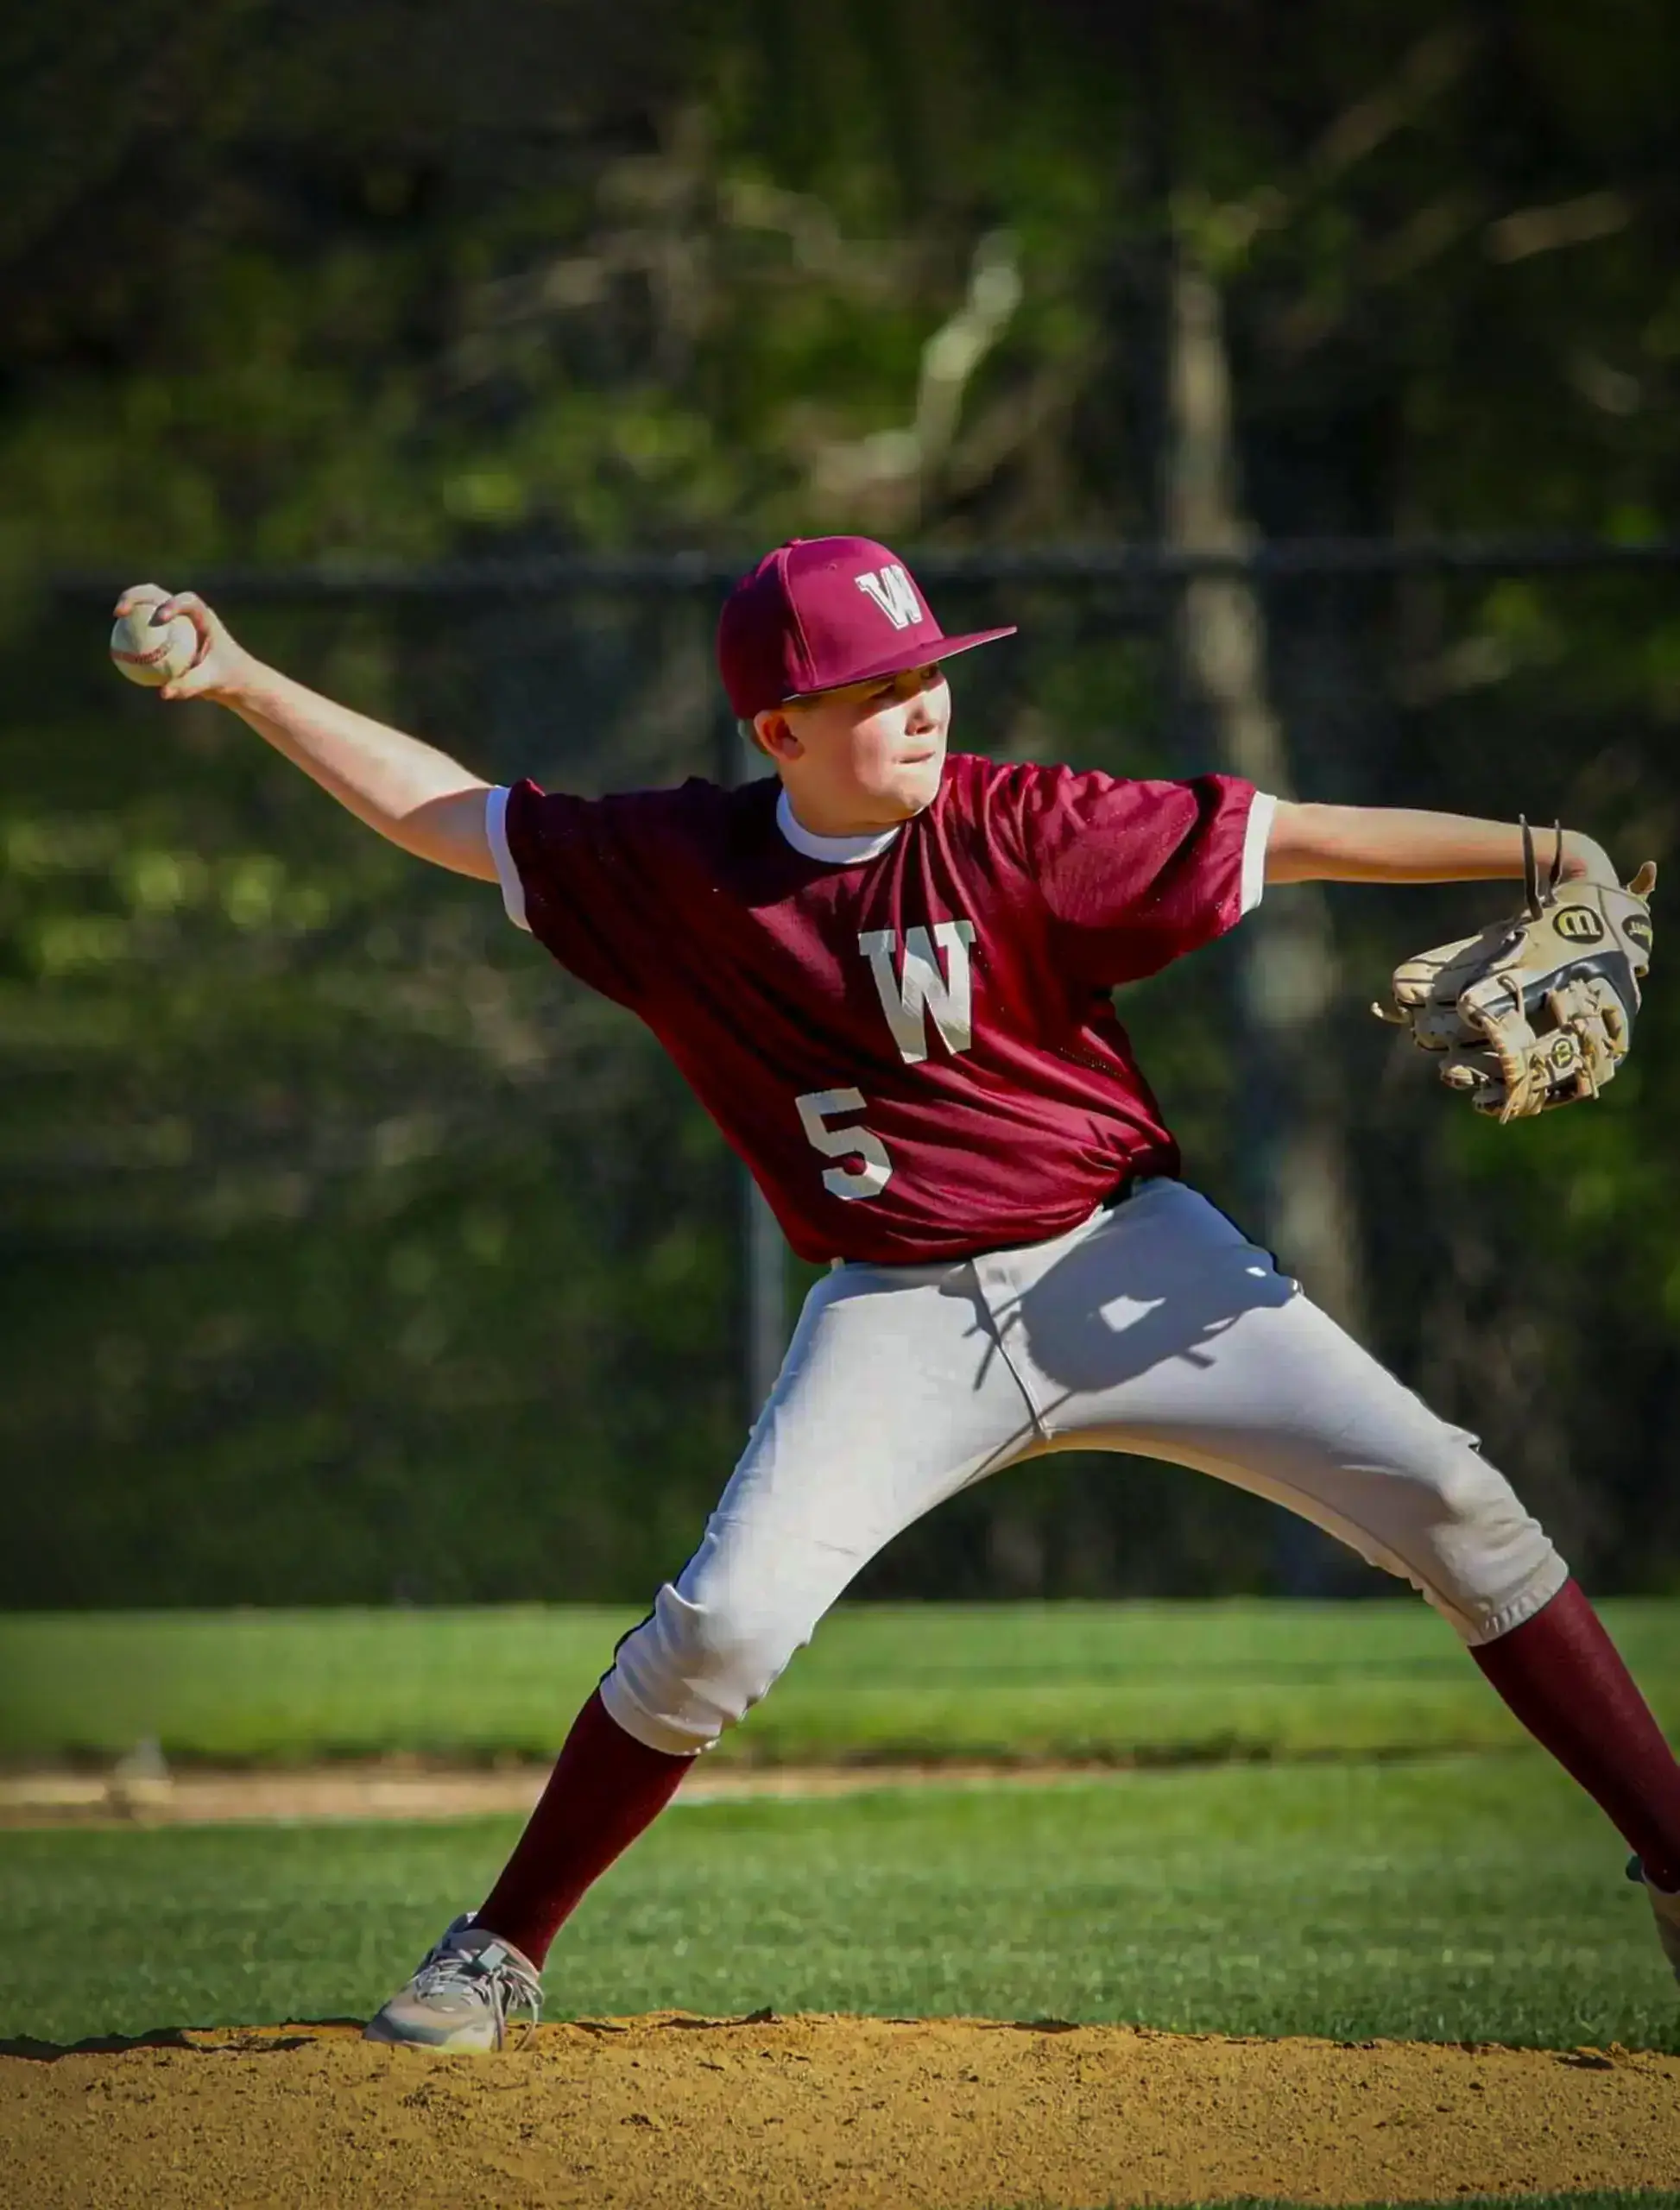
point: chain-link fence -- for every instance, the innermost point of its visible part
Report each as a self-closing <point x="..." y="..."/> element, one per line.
<point x="352" y="1251"/>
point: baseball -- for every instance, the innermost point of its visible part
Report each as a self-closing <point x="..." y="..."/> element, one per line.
<point x="153" y="653"/>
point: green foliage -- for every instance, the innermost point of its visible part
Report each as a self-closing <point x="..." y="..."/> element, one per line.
<point x="317" y="1280"/>
<point x="1474" y="1900"/>
<point x="1158" y="1684"/>
<point x="367" y="301"/>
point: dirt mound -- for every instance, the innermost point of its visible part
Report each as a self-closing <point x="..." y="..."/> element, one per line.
<point x="759" y="2112"/>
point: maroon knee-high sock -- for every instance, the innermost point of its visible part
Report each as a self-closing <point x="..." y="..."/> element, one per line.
<point x="1561" y="1674"/>
<point x="605" y="1788"/>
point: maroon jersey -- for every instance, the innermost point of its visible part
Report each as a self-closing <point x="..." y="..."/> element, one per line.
<point x="914" y="1052"/>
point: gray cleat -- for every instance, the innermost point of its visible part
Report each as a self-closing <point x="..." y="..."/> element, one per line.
<point x="1667" y="1910"/>
<point x="461" y="1995"/>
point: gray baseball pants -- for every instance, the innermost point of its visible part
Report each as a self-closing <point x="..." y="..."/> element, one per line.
<point x="1153" y="1327"/>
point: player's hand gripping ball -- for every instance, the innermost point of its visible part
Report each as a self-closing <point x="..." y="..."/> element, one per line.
<point x="1538" y="1011"/>
<point x="174" y="642"/>
<point x="152" y="652"/>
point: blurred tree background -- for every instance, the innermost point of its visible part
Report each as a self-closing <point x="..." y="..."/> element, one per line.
<point x="347" y="1249"/>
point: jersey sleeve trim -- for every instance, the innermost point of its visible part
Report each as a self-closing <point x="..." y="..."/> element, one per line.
<point x="506" y="871"/>
<point x="1255" y="838"/>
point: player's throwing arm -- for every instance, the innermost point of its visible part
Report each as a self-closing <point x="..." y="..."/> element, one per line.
<point x="417" y="796"/>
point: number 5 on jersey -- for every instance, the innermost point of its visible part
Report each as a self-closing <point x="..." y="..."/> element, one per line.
<point x="870" y="1176"/>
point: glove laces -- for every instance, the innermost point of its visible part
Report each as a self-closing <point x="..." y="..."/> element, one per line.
<point x="1536" y="900"/>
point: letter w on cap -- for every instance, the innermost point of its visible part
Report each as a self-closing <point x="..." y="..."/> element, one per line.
<point x="894" y="593"/>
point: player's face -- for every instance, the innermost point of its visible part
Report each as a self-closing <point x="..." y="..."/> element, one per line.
<point x="868" y="756"/>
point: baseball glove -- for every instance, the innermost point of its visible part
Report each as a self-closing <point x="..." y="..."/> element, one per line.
<point x="1537" y="1010"/>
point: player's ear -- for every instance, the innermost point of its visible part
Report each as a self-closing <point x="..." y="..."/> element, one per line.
<point x="772" y="733"/>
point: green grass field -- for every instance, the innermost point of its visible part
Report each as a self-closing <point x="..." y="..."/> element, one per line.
<point x="1167" y="1683"/>
<point x="1460" y="1898"/>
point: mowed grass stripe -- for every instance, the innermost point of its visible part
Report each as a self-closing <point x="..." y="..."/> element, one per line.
<point x="1142" y="1681"/>
<point x="1471" y="1899"/>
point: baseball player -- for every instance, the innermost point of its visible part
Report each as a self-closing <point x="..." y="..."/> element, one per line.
<point x="886" y="976"/>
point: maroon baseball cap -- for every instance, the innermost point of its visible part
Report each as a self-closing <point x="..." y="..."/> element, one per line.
<point x="823" y="612"/>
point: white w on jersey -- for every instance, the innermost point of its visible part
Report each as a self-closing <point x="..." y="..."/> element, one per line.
<point x="910" y="992"/>
<point x="894" y="593"/>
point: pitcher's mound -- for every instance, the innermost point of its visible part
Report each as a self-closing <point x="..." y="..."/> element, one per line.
<point x="949" y="2114"/>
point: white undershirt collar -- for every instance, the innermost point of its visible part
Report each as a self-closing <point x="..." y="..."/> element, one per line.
<point x="839" y="851"/>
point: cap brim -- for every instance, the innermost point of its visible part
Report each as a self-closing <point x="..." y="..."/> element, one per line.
<point x="925" y="654"/>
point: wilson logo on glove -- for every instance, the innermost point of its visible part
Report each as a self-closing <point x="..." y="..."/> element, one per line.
<point x="1580" y="924"/>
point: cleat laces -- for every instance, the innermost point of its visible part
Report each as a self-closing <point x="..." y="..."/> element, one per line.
<point x="493" y="1976"/>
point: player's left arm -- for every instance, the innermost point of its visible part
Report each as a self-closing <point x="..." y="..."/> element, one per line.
<point x="1376" y="843"/>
